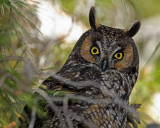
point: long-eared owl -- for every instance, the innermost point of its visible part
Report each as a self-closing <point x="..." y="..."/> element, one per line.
<point x="92" y="88"/>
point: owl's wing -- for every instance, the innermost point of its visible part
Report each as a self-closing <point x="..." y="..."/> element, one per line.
<point x="76" y="80"/>
<point x="52" y="84"/>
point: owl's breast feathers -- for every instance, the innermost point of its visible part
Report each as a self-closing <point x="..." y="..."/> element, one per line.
<point x="84" y="95"/>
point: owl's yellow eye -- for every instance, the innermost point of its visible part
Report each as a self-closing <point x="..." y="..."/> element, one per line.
<point x="118" y="55"/>
<point x="95" y="50"/>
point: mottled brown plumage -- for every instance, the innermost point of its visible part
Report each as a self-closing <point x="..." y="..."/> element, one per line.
<point x="104" y="63"/>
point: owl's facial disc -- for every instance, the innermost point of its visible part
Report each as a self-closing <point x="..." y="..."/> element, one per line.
<point x="119" y="57"/>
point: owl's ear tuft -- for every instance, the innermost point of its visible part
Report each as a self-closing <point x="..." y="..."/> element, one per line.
<point x="133" y="29"/>
<point x="92" y="18"/>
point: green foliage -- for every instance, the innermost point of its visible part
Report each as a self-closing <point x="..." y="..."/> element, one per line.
<point x="147" y="8"/>
<point x="147" y="85"/>
<point x="13" y="15"/>
<point x="105" y="3"/>
<point x="69" y="6"/>
<point x="11" y="105"/>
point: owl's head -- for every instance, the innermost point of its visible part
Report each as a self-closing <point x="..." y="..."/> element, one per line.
<point x="106" y="47"/>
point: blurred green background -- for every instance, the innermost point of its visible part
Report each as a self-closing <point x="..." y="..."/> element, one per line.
<point x="36" y="38"/>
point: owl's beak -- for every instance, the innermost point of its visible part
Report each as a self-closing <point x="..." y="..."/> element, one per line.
<point x="104" y="64"/>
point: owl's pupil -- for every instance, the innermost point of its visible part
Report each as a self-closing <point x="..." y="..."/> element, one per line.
<point x="118" y="55"/>
<point x="94" y="50"/>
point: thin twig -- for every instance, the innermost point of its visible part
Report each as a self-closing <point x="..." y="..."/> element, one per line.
<point x="13" y="58"/>
<point x="33" y="118"/>
<point x="153" y="53"/>
<point x="3" y="78"/>
<point x="101" y="101"/>
<point x="53" y="107"/>
<point x="66" y="114"/>
<point x="25" y="88"/>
